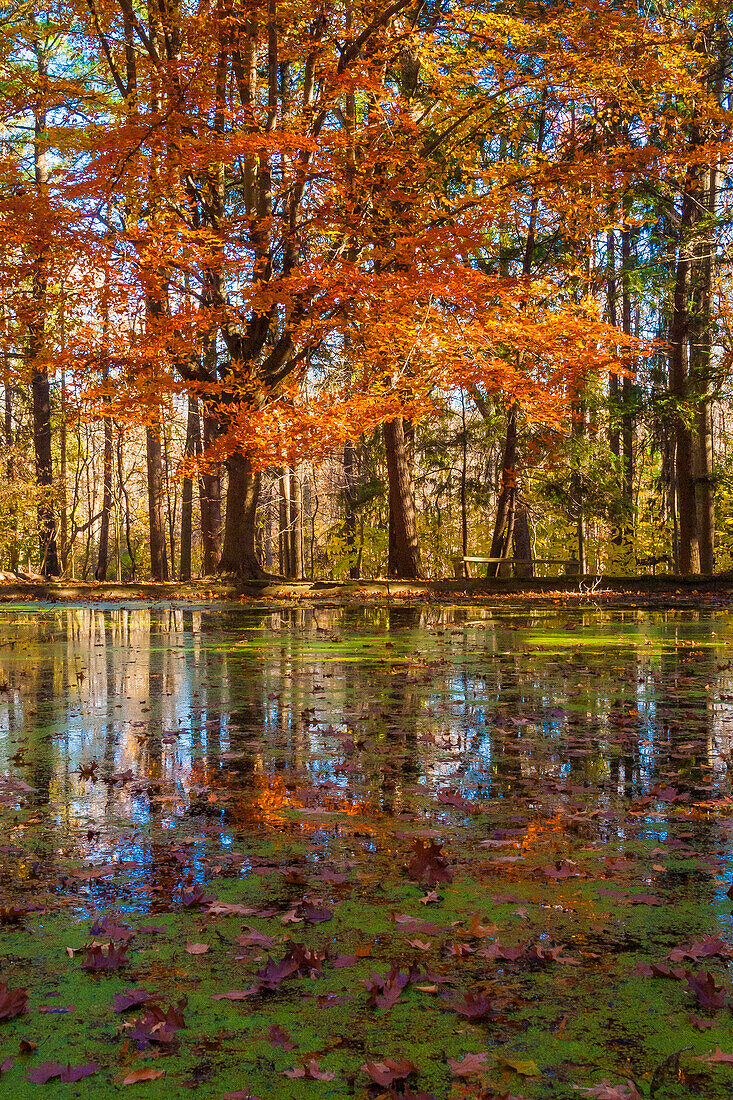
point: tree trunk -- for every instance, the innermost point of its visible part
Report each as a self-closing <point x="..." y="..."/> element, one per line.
<point x="158" y="557"/>
<point x="464" y="502"/>
<point x="239" y="555"/>
<point x="404" y="551"/>
<point x="522" y="541"/>
<point x="296" y="525"/>
<point x="689" y="552"/>
<point x="37" y="338"/>
<point x="627" y="420"/>
<point x="285" y="545"/>
<point x="210" y="498"/>
<point x="349" y="512"/>
<point x="505" y="505"/>
<point x="701" y="320"/>
<point x="10" y="472"/>
<point x="100" y="573"/>
<point x="192" y="433"/>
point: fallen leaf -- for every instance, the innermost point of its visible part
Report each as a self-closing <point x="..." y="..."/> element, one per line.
<point x="146" y="1074"/>
<point x="525" y="1067"/>
<point x="310" y="1070"/>
<point x="387" y="1072"/>
<point x="13" y="1002"/>
<point x="468" y="1065"/>
<point x="606" y="1091"/>
<point x="197" y="948"/>
<point x="714" y="1056"/>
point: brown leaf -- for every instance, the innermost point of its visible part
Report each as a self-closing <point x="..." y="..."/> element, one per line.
<point x="428" y="862"/>
<point x="310" y="1070"/>
<point x="387" y="1072"/>
<point x="279" y="1037"/>
<point x="472" y="1005"/>
<point x="197" y="948"/>
<point x="470" y="1064"/>
<point x="714" y="1056"/>
<point x="146" y="1074"/>
<point x="13" y="1002"/>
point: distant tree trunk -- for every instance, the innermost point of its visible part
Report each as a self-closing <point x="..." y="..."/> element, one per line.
<point x="100" y="572"/>
<point x="37" y="350"/>
<point x="614" y="436"/>
<point x="238" y="554"/>
<point x="689" y="554"/>
<point x="156" y="517"/>
<point x="296" y="524"/>
<point x="464" y="503"/>
<point x="404" y="551"/>
<point x="505" y="505"/>
<point x="701" y="319"/>
<point x="627" y="421"/>
<point x="192" y="433"/>
<point x="350" y="513"/>
<point x="210" y="500"/>
<point x="10" y="473"/>
<point x="522" y="540"/>
<point x="577" y="487"/>
<point x="284" y="542"/>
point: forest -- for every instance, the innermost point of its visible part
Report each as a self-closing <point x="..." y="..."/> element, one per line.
<point x="344" y="288"/>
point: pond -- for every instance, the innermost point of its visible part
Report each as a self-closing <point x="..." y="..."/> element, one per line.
<point x="427" y="850"/>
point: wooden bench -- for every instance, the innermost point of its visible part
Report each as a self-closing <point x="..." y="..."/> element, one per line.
<point x="460" y="562"/>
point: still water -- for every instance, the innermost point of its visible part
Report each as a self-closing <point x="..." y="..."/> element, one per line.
<point x="118" y="724"/>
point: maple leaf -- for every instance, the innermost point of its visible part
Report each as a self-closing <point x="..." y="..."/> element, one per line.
<point x="146" y="1074"/>
<point x="386" y="990"/>
<point x="99" y="960"/>
<point x="714" y="1057"/>
<point x="468" y="1065"/>
<point x="111" y="927"/>
<point x="709" y="994"/>
<point x="451" y="797"/>
<point x="700" y="1024"/>
<point x="428" y="862"/>
<point x="195" y="897"/>
<point x="606" y="1091"/>
<point x="279" y="1037"/>
<point x="252" y="938"/>
<point x="13" y="1002"/>
<point x="310" y="1070"/>
<point x="707" y="946"/>
<point x="472" y="1005"/>
<point x="67" y="1074"/>
<point x="88" y="771"/>
<point x="132" y="998"/>
<point x="387" y="1072"/>
<point x="158" y="1025"/>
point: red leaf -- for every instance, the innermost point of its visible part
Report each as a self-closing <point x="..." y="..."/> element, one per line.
<point x="472" y="1005"/>
<point x="470" y="1064"/>
<point x="387" y="1072"/>
<point x="39" y="1075"/>
<point x="13" y="1002"/>
<point x="428" y="862"/>
<point x="310" y="1070"/>
<point x="131" y="998"/>
<point x="715" y="1056"/>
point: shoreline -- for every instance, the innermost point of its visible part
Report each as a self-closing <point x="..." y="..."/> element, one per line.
<point x="654" y="591"/>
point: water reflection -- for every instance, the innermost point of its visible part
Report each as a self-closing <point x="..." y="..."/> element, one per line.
<point x="117" y="724"/>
